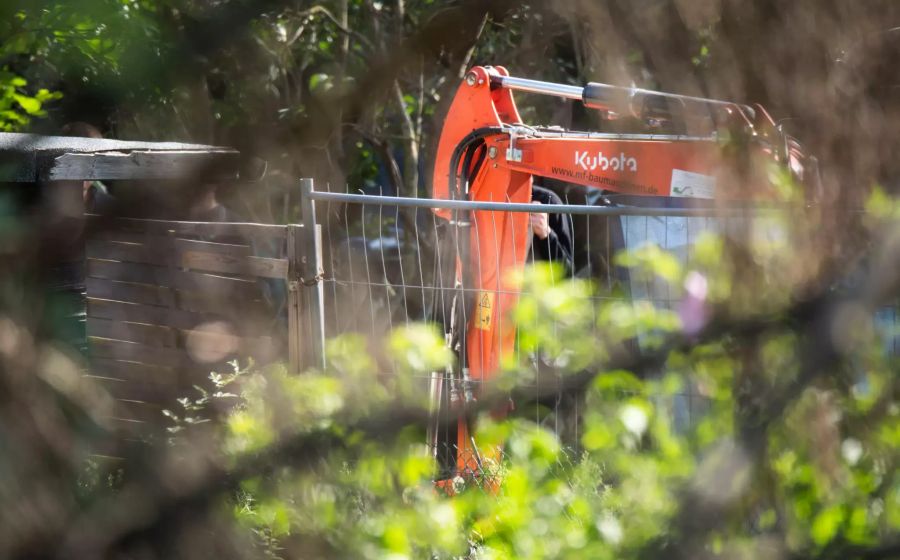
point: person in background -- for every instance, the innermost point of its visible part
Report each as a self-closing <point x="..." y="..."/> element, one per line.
<point x="552" y="241"/>
<point x="95" y="195"/>
<point x="551" y="233"/>
<point x="60" y="214"/>
<point x="206" y="207"/>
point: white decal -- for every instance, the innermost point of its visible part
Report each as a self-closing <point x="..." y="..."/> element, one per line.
<point x="590" y="162"/>
<point x="687" y="184"/>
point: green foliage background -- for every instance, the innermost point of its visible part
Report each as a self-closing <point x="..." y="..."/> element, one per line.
<point x="817" y="478"/>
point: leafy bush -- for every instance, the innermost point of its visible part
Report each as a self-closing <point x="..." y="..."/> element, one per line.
<point x="774" y="463"/>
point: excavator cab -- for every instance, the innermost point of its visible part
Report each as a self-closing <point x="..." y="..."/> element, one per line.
<point x="682" y="149"/>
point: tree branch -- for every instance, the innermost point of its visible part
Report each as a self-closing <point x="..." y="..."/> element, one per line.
<point x="337" y="23"/>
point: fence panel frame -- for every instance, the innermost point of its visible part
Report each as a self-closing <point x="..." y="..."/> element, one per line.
<point x="699" y="213"/>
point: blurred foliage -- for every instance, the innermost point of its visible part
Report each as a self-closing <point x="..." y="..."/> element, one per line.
<point x="815" y="478"/>
<point x="623" y="492"/>
<point x="17" y="107"/>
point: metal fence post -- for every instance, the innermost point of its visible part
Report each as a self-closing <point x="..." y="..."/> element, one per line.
<point x="294" y="295"/>
<point x="312" y="271"/>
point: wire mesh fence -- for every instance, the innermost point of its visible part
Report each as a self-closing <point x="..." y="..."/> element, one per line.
<point x="391" y="262"/>
<point x="377" y="263"/>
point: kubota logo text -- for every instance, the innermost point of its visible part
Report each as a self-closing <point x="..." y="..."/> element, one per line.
<point x="590" y="162"/>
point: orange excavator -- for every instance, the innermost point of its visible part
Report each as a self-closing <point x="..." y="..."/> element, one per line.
<point x="681" y="146"/>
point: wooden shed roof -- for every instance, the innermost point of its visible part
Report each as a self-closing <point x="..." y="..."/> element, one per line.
<point x="33" y="157"/>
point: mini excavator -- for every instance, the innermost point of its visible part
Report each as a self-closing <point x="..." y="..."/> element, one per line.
<point x="701" y="150"/>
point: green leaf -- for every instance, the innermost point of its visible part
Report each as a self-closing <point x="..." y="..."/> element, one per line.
<point x="826" y="524"/>
<point x="274" y="514"/>
<point x="31" y="105"/>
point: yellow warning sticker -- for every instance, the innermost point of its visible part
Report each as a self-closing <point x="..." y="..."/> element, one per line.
<point x="484" y="310"/>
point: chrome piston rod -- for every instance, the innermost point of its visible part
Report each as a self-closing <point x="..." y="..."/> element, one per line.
<point x="536" y="86"/>
<point x="602" y="95"/>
